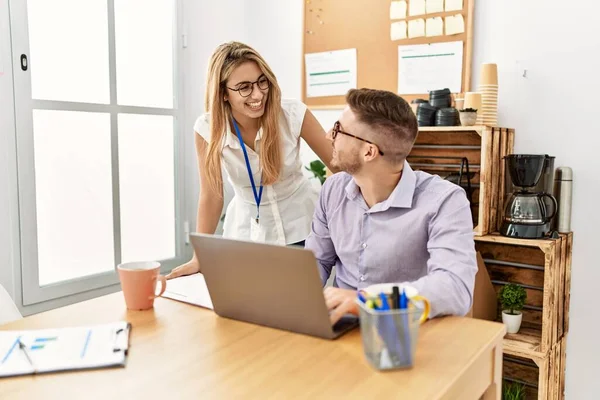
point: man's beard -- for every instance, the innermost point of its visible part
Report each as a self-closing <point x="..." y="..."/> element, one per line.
<point x="348" y="163"/>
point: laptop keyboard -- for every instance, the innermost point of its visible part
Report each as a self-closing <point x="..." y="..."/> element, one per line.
<point x="345" y="322"/>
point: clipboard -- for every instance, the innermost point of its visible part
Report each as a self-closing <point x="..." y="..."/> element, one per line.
<point x="54" y="350"/>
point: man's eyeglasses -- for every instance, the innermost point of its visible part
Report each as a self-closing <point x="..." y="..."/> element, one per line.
<point x="245" y="88"/>
<point x="336" y="130"/>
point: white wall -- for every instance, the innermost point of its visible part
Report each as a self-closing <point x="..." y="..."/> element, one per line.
<point x="275" y="31"/>
<point x="553" y="111"/>
<point x="207" y="25"/>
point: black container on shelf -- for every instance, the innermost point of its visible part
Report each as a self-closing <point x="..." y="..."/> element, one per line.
<point x="440" y="98"/>
<point x="447" y="116"/>
<point x="426" y="114"/>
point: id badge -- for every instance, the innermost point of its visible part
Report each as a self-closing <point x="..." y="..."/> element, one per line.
<point x="257" y="232"/>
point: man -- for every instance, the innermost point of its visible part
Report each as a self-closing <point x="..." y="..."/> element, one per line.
<point x="379" y="221"/>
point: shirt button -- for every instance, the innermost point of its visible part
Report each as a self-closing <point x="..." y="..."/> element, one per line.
<point x="364" y="245"/>
<point x="362" y="278"/>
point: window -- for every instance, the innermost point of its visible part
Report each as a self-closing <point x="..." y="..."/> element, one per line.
<point x="97" y="121"/>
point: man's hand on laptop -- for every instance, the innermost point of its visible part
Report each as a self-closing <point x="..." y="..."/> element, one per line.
<point x="189" y="268"/>
<point x="340" y="302"/>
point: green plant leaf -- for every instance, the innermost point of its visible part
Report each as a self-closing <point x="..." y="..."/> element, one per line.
<point x="513" y="391"/>
<point x="512" y="297"/>
<point x="318" y="169"/>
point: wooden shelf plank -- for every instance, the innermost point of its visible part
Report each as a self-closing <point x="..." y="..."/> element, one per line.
<point x="476" y="128"/>
<point x="497" y="238"/>
<point x="525" y="343"/>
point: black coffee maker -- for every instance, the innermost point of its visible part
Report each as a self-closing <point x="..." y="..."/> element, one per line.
<point x="529" y="204"/>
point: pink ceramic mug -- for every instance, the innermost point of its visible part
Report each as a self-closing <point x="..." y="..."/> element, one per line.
<point x="138" y="281"/>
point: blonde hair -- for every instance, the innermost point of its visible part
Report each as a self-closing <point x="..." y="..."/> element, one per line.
<point x="224" y="60"/>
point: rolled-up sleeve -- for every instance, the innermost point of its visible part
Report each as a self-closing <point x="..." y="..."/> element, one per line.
<point x="452" y="263"/>
<point x="319" y="240"/>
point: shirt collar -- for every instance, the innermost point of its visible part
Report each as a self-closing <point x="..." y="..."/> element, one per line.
<point x="401" y="196"/>
<point x="231" y="140"/>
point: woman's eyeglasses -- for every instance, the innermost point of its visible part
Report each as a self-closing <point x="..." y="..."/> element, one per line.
<point x="245" y="88"/>
<point x="336" y="130"/>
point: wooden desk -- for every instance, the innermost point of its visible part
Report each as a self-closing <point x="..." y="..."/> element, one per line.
<point x="178" y="351"/>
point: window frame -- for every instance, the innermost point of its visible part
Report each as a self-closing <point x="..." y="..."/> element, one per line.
<point x="26" y="242"/>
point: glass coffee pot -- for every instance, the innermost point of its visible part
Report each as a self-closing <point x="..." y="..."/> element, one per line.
<point x="529" y="210"/>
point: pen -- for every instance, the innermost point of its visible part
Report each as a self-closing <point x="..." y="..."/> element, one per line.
<point x="24" y="349"/>
<point x="406" y="324"/>
<point x="395" y="297"/>
<point x="361" y="297"/>
<point x="384" y="301"/>
<point x="402" y="301"/>
<point x="388" y="331"/>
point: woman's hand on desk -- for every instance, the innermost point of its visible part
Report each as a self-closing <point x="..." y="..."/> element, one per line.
<point x="189" y="268"/>
<point x="340" y="302"/>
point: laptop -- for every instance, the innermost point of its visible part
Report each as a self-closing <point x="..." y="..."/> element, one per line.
<point x="265" y="284"/>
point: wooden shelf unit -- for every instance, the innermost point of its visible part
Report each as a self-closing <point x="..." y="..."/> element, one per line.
<point x="439" y="149"/>
<point x="543" y="377"/>
<point x="535" y="356"/>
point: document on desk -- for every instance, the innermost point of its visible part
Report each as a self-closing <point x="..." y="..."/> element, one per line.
<point x="189" y="289"/>
<point x="53" y="350"/>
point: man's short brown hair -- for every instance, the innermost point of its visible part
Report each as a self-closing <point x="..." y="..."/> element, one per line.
<point x="394" y="123"/>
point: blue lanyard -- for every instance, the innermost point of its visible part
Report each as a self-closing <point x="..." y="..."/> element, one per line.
<point x="257" y="195"/>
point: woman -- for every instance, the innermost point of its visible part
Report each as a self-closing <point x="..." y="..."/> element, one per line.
<point x="255" y="135"/>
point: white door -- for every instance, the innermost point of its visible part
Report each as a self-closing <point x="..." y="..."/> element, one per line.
<point x="97" y="125"/>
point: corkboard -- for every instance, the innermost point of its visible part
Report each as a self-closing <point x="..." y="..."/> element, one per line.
<point x="365" y="25"/>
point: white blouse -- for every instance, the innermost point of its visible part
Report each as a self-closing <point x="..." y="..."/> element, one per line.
<point x="287" y="206"/>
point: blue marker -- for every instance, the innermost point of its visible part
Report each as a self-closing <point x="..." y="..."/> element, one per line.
<point x="403" y="301"/>
<point x="384" y="302"/>
<point x="406" y="322"/>
<point x="361" y="297"/>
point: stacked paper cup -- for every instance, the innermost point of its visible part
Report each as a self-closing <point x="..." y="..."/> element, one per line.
<point x="473" y="100"/>
<point x="488" y="87"/>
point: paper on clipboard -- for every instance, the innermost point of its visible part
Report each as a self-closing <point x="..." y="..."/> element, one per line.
<point x="426" y="67"/>
<point x="54" y="350"/>
<point x="189" y="289"/>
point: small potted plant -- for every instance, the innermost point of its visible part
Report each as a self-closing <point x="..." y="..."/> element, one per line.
<point x="512" y="298"/>
<point x="468" y="116"/>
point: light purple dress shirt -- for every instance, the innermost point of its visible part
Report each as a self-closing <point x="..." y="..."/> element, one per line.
<point x="421" y="235"/>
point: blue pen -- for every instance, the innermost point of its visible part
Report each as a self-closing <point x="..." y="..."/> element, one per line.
<point x="406" y="322"/>
<point x="389" y="332"/>
<point x="361" y="297"/>
<point x="403" y="301"/>
<point x="384" y="302"/>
